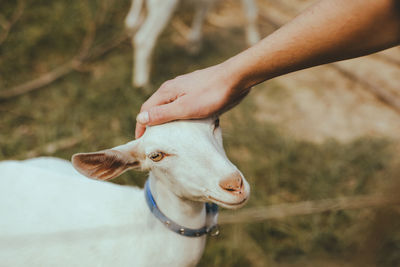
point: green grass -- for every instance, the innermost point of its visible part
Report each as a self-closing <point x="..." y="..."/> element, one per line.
<point x="98" y="107"/>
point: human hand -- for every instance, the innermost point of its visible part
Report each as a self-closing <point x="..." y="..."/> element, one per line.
<point x="297" y="45"/>
<point x="199" y="94"/>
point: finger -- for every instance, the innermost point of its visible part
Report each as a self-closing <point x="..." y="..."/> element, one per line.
<point x="139" y="130"/>
<point x="162" y="96"/>
<point x="165" y="113"/>
<point x="157" y="115"/>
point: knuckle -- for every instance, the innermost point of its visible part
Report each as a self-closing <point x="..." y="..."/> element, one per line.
<point x="143" y="107"/>
<point x="166" y="86"/>
<point x="155" y="115"/>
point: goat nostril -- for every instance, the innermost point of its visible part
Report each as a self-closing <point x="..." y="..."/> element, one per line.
<point x="233" y="183"/>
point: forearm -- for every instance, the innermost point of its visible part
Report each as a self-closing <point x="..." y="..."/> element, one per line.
<point x="330" y="30"/>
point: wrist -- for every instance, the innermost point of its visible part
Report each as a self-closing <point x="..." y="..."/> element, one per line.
<point x="248" y="68"/>
<point x="234" y="77"/>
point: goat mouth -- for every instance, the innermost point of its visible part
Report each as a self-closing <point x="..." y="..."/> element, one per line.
<point x="229" y="203"/>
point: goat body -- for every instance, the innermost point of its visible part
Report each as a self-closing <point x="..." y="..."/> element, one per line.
<point x="52" y="215"/>
<point x="69" y="220"/>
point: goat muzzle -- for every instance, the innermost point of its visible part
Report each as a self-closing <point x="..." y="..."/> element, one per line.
<point x="233" y="184"/>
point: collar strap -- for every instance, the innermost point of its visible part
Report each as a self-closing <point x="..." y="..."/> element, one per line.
<point x="211" y="210"/>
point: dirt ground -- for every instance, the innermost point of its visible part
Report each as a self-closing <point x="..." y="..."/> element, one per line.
<point x="322" y="103"/>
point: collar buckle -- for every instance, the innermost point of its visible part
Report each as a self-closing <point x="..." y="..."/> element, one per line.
<point x="213" y="230"/>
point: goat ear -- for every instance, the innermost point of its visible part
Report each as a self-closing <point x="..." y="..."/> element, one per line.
<point x="106" y="164"/>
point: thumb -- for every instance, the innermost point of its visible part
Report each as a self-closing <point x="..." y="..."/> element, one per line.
<point x="161" y="114"/>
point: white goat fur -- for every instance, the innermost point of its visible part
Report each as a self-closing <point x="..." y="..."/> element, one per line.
<point x="159" y="13"/>
<point x="51" y="215"/>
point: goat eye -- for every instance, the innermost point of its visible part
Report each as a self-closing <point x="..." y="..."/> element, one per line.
<point x="156" y="156"/>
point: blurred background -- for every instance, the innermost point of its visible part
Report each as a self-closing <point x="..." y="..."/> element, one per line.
<point x="319" y="147"/>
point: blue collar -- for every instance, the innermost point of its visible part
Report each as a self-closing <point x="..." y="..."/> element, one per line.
<point x="211" y="211"/>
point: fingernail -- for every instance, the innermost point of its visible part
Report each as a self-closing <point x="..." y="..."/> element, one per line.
<point x="143" y="117"/>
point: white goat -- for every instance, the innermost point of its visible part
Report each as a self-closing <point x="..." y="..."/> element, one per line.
<point x="159" y="12"/>
<point x="53" y="216"/>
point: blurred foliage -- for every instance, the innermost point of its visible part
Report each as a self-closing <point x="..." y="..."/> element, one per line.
<point x="97" y="105"/>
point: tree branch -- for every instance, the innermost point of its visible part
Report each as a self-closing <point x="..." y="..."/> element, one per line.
<point x="85" y="54"/>
<point x="383" y="95"/>
<point x="41" y="81"/>
<point x="7" y="25"/>
<point x="53" y="147"/>
<point x="387" y="59"/>
<point x="279" y="211"/>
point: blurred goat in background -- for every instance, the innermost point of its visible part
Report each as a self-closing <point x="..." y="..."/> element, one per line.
<point x="146" y="30"/>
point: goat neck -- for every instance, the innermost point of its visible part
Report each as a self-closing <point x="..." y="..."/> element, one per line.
<point x="186" y="212"/>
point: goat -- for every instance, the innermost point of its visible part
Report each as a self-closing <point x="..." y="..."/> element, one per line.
<point x="51" y="215"/>
<point x="159" y="14"/>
